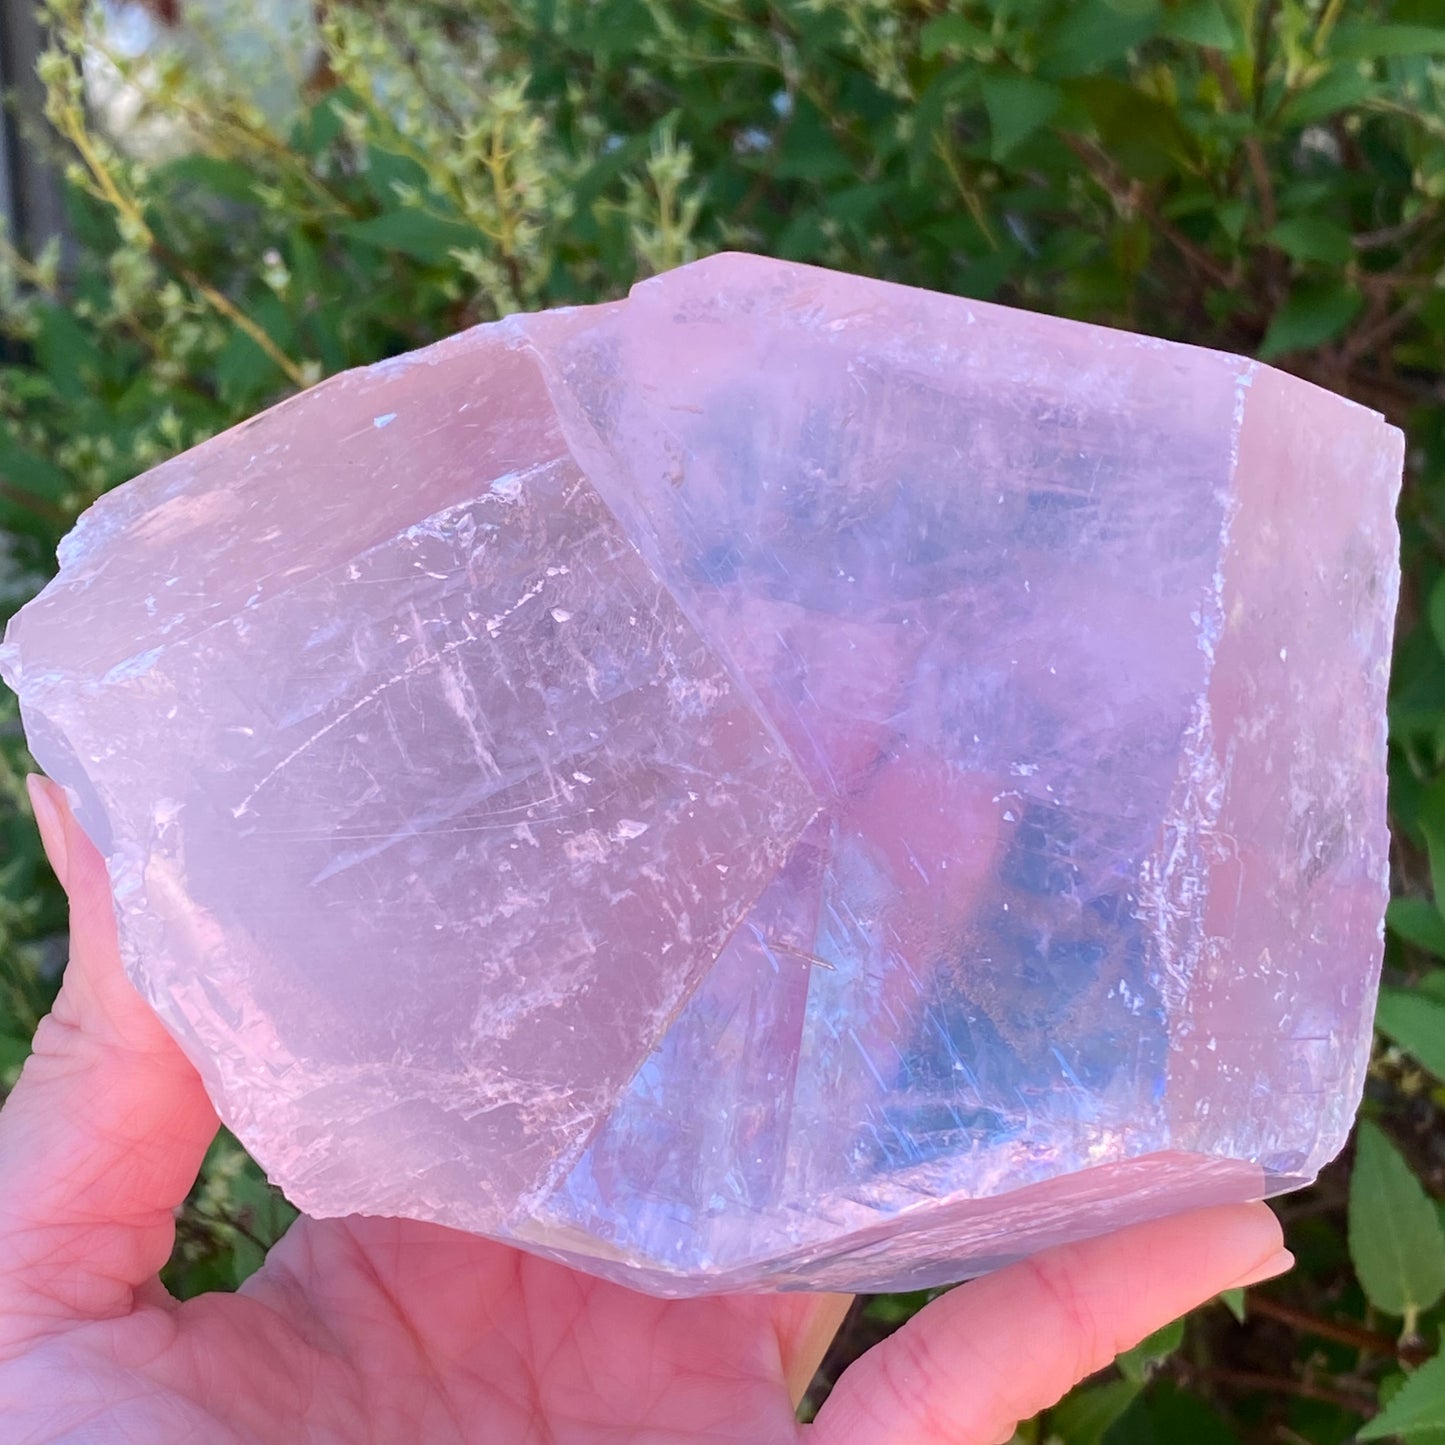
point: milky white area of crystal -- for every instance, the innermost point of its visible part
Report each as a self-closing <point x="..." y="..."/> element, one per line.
<point x="782" y="780"/>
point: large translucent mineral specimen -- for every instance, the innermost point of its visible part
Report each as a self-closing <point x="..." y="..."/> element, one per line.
<point x="784" y="779"/>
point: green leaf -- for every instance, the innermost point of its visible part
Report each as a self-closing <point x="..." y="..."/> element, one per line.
<point x="1232" y="215"/>
<point x="1418" y="922"/>
<point x="321" y="125"/>
<point x="1312" y="238"/>
<point x="385" y="170"/>
<point x="265" y="1214"/>
<point x="1201" y="23"/>
<point x="1390" y="1387"/>
<point x="809" y="151"/>
<point x="1180" y="1417"/>
<point x="1315" y="313"/>
<point x="893" y="1309"/>
<point x="1342" y="89"/>
<point x="414" y="233"/>
<point x="1416" y="1025"/>
<point x="983" y="276"/>
<point x="1417" y="704"/>
<point x="1233" y="1301"/>
<point x="1092" y="35"/>
<point x="1432" y="830"/>
<point x="1435" y="611"/>
<point x="932" y="117"/>
<point x="951" y="32"/>
<point x="1362" y="40"/>
<point x="1018" y="105"/>
<point x="1084" y="1417"/>
<point x="226" y="179"/>
<point x="245" y="374"/>
<point x="1146" y="1357"/>
<point x="1142" y="134"/>
<point x="1396" y="1242"/>
<point x="1133" y="1427"/>
<point x="21" y="470"/>
<point x="67" y="351"/>
<point x="1418" y="1406"/>
<point x="13" y="1053"/>
<point x="857" y="205"/>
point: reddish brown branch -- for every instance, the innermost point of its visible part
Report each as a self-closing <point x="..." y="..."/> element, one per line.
<point x="1360" y="1404"/>
<point x="1253" y="150"/>
<point x="1343" y="1332"/>
<point x="1127" y="197"/>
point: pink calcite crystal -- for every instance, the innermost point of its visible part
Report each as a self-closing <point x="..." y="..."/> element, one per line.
<point x="784" y="779"/>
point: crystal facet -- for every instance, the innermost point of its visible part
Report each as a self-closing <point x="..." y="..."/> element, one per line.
<point x="781" y="780"/>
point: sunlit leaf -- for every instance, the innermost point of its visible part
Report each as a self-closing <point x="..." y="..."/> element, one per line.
<point x="1418" y="922"/>
<point x="1396" y="1241"/>
<point x="950" y="32"/>
<point x="1085" y="1417"/>
<point x="1365" y="40"/>
<point x="414" y="233"/>
<point x="1416" y="1407"/>
<point x="1091" y="35"/>
<point x="1312" y="238"/>
<point x="1416" y="1024"/>
<point x="1018" y="105"/>
<point x="1316" y="312"/>
<point x="1201" y="22"/>
<point x="1141" y="1362"/>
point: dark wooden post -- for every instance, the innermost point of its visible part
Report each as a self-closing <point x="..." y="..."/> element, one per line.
<point x="32" y="199"/>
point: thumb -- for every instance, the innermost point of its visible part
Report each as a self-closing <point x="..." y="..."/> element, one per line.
<point x="104" y="1133"/>
<point x="974" y="1363"/>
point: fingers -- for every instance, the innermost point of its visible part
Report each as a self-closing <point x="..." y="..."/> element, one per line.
<point x="105" y="1130"/>
<point x="970" y="1366"/>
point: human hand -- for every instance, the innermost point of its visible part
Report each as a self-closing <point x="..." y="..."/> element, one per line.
<point x="395" y="1332"/>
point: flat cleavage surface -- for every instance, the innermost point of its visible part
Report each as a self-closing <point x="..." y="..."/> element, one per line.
<point x="465" y="818"/>
<point x="971" y="564"/>
<point x="917" y="553"/>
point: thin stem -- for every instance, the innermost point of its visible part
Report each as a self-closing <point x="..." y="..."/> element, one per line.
<point x="47" y="511"/>
<point x="966" y="192"/>
<point x="1327" y="24"/>
<point x="1263" y="30"/>
<point x="1370" y="339"/>
<point x="1390" y="235"/>
<point x="1432" y="124"/>
<point x="219" y="121"/>
<point x="1253" y="150"/>
<point x="496" y="161"/>
<point x="74" y="131"/>
<point x="1102" y="170"/>
<point x="1341" y="1331"/>
<point x="1283" y="1385"/>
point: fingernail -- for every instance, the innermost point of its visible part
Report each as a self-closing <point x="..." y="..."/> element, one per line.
<point x="51" y="822"/>
<point x="1276" y="1264"/>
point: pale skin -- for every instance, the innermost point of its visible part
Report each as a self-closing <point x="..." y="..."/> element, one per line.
<point x="397" y="1333"/>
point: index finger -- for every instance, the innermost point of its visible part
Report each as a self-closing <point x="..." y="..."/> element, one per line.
<point x="104" y="1133"/>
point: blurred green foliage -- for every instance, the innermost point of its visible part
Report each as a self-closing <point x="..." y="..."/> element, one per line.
<point x="1265" y="176"/>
